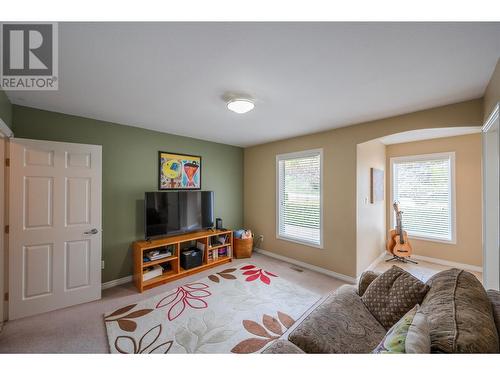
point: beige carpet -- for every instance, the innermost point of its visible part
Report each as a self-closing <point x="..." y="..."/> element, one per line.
<point x="80" y="329"/>
<point x="235" y="310"/>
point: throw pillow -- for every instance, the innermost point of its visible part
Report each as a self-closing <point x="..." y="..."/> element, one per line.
<point x="418" y="339"/>
<point x="365" y="280"/>
<point x="409" y="335"/>
<point x="393" y="294"/>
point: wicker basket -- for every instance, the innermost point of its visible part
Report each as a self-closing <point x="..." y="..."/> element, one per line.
<point x="243" y="248"/>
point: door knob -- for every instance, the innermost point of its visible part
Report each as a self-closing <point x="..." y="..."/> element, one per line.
<point x="92" y="231"/>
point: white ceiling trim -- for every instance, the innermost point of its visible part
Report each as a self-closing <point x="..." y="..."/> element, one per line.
<point x="425" y="134"/>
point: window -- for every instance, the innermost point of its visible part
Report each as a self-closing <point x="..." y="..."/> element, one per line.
<point x="424" y="187"/>
<point x="299" y="197"/>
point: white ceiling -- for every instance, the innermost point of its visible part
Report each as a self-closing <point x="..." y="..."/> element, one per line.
<point x="305" y="77"/>
<point x="423" y="134"/>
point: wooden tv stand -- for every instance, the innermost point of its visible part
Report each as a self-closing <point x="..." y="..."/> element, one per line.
<point x="176" y="245"/>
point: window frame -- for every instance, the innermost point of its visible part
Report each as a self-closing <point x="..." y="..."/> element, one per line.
<point x="297" y="155"/>
<point x="452" y="191"/>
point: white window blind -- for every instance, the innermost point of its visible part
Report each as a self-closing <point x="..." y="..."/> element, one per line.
<point x="423" y="186"/>
<point x="299" y="197"/>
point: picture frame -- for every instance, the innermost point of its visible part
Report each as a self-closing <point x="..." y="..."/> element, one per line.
<point x="179" y="171"/>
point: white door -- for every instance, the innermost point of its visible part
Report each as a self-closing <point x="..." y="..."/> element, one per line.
<point x="491" y="199"/>
<point x="54" y="225"/>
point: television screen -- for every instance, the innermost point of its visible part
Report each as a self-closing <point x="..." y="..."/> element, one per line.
<point x="169" y="213"/>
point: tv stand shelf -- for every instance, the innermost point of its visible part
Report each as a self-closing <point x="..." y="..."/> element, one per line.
<point x="140" y="248"/>
<point x="159" y="261"/>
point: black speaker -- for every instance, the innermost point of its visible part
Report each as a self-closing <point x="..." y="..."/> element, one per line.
<point x="218" y="223"/>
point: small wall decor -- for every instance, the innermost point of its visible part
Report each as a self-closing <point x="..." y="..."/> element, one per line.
<point x="376" y="185"/>
<point x="179" y="171"/>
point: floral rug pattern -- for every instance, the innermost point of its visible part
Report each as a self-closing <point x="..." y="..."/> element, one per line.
<point x="236" y="310"/>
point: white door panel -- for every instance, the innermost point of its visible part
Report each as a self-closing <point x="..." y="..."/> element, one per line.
<point x="37" y="270"/>
<point x="38" y="202"/>
<point x="77" y="201"/>
<point x="55" y="202"/>
<point x="77" y="262"/>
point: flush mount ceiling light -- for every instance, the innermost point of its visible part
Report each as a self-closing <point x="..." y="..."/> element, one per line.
<point x="240" y="106"/>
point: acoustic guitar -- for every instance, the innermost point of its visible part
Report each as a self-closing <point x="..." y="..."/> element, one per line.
<point x="402" y="247"/>
<point x="391" y="241"/>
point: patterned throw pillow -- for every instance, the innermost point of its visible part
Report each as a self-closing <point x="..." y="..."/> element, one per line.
<point x="410" y="334"/>
<point x="365" y="280"/>
<point x="393" y="294"/>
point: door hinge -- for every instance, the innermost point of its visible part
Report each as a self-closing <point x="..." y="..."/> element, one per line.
<point x="6" y="229"/>
<point x="7" y="162"/>
<point x="6" y="296"/>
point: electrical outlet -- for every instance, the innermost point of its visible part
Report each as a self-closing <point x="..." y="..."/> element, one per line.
<point x="102" y="264"/>
<point x="261" y="238"/>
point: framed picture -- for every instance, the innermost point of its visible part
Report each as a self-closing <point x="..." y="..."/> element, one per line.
<point x="179" y="171"/>
<point x="377" y="185"/>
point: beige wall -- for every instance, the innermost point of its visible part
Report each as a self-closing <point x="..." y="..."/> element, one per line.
<point x="339" y="188"/>
<point x="468" y="190"/>
<point x="492" y="93"/>
<point x="371" y="223"/>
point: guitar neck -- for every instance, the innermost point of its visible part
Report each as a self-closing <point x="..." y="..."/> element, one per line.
<point x="400" y="228"/>
<point x="399" y="222"/>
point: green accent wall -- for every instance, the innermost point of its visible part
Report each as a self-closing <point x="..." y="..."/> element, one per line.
<point x="5" y="109"/>
<point x="129" y="168"/>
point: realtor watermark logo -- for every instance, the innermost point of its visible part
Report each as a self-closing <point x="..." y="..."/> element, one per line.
<point x="29" y="58"/>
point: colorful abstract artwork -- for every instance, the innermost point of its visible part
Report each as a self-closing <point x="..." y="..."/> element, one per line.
<point x="178" y="172"/>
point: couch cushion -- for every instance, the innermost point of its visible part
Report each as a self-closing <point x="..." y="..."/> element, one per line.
<point x="365" y="280"/>
<point x="341" y="324"/>
<point x="459" y="314"/>
<point x="494" y="297"/>
<point x="282" y="347"/>
<point x="392" y="295"/>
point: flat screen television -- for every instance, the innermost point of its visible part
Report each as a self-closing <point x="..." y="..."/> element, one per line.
<point x="177" y="212"/>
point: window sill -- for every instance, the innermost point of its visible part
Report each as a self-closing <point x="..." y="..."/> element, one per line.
<point x="305" y="243"/>
<point x="430" y="239"/>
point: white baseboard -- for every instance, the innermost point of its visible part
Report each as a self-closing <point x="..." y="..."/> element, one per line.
<point x="347" y="279"/>
<point x="442" y="262"/>
<point x="467" y="267"/>
<point x="374" y="264"/>
<point x="112" y="283"/>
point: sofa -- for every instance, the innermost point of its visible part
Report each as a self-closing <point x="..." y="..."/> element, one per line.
<point x="462" y="316"/>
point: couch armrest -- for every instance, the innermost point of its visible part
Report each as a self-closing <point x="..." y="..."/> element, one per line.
<point x="365" y="280"/>
<point x="281" y="346"/>
<point x="494" y="297"/>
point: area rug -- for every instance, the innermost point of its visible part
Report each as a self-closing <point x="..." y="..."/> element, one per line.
<point x="236" y="310"/>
